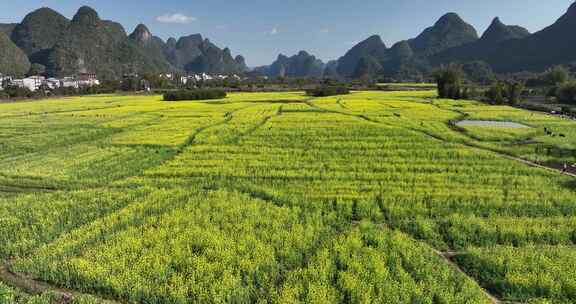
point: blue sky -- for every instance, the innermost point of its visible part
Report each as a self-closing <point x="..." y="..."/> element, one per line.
<point x="260" y="29"/>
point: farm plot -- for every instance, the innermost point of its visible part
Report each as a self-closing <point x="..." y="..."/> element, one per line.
<point x="275" y="197"/>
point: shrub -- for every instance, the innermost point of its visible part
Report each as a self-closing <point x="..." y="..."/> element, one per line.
<point x="328" y="91"/>
<point x="505" y="92"/>
<point x="472" y="92"/>
<point x="200" y="94"/>
<point x="515" y="89"/>
<point x="568" y="110"/>
<point x="552" y="92"/>
<point x="4" y="96"/>
<point x="18" y="92"/>
<point x="556" y="75"/>
<point x="566" y="93"/>
<point x="496" y="93"/>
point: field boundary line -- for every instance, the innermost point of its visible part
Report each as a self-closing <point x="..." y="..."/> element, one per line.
<point x="439" y="138"/>
<point x="261" y="123"/>
<point x="456" y="267"/>
<point x="449" y="255"/>
<point x="359" y="116"/>
<point x="476" y="147"/>
<point x="518" y="159"/>
<point x="59" y="112"/>
<point x="33" y="286"/>
<point x="463" y="115"/>
<point x="341" y="104"/>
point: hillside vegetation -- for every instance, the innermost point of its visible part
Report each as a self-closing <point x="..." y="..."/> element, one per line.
<point x="89" y="44"/>
<point x="13" y="60"/>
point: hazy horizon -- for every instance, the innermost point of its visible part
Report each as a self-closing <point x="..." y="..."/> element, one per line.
<point x="261" y="30"/>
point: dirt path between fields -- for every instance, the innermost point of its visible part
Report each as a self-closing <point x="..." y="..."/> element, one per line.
<point x="556" y="169"/>
<point x="34" y="287"/>
<point x="30" y="114"/>
<point x="449" y="255"/>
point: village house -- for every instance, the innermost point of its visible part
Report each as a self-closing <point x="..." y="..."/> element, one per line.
<point x="69" y="82"/>
<point x="167" y="76"/>
<point x="53" y="83"/>
<point x="88" y="80"/>
<point x="34" y="83"/>
<point x="193" y="79"/>
<point x="4" y="81"/>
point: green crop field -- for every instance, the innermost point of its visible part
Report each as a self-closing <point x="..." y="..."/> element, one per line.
<point x="372" y="197"/>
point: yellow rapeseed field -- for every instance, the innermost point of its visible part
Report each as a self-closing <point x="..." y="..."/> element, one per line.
<point x="282" y="198"/>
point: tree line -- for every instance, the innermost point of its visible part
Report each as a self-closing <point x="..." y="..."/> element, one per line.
<point x="456" y="81"/>
<point x="451" y="83"/>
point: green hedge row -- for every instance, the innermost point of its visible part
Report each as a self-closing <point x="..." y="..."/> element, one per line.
<point x="202" y="94"/>
<point x="327" y="91"/>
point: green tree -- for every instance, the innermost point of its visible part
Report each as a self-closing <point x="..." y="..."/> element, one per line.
<point x="566" y="92"/>
<point x="131" y="83"/>
<point x="478" y="72"/>
<point x="514" y="91"/>
<point x="449" y="81"/>
<point x="505" y="92"/>
<point x="556" y="75"/>
<point x="496" y="93"/>
<point x="36" y="69"/>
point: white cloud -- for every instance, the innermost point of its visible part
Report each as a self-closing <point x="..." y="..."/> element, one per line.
<point x="176" y="18"/>
<point x="274" y="31"/>
<point x="324" y="31"/>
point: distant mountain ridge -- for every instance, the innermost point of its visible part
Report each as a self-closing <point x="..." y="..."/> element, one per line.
<point x="7" y="28"/>
<point x="301" y="65"/>
<point x="504" y="48"/>
<point x="39" y="32"/>
<point x="448" y="32"/>
<point x="13" y="60"/>
<point x="371" y="48"/>
<point x="86" y="43"/>
<point x="89" y="44"/>
<point x="496" y="34"/>
<point x="152" y="47"/>
<point x="555" y="44"/>
<point x="195" y="54"/>
<point x="371" y="57"/>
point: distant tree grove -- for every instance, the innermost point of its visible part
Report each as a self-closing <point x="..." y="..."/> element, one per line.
<point x="197" y="94"/>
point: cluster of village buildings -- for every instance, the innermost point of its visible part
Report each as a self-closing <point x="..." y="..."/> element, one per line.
<point x="34" y="83"/>
<point x="195" y="78"/>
